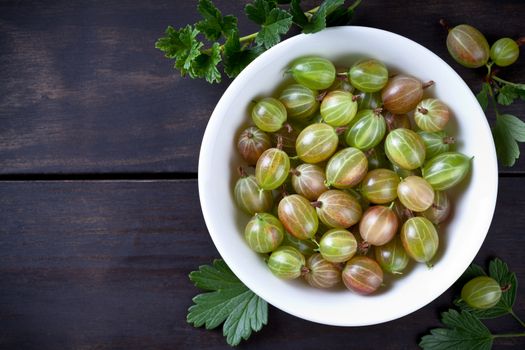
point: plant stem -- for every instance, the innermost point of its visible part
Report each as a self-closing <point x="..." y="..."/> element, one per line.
<point x="354" y="5"/>
<point x="503" y="81"/>
<point x="508" y="335"/>
<point x="511" y="312"/>
<point x="246" y="38"/>
<point x="491" y="93"/>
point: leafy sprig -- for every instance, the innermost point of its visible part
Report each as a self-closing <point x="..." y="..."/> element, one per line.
<point x="508" y="129"/>
<point x="186" y="46"/>
<point x="464" y="329"/>
<point x="226" y="300"/>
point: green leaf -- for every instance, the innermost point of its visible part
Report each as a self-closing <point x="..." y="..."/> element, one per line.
<point x="483" y="95"/>
<point x="297" y="12"/>
<point x="500" y="272"/>
<point x="214" y="25"/>
<point x="515" y="126"/>
<point x="464" y="332"/>
<point x="506" y="95"/>
<point x="341" y="16"/>
<point x="228" y="301"/>
<point x="236" y="58"/>
<point x="504" y="138"/>
<point x="205" y="65"/>
<point x="258" y="10"/>
<point x="472" y="271"/>
<point x="180" y="45"/>
<point x="277" y="23"/>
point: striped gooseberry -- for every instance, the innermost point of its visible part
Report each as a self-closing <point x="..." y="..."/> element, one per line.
<point x="391" y="256"/>
<point x="321" y="273"/>
<point x="446" y="170"/>
<point x="436" y="142"/>
<point x="431" y="115"/>
<point x="316" y="142"/>
<point x="402" y="212"/>
<point x="420" y="239"/>
<point x="440" y="208"/>
<point x="405" y="148"/>
<point x="368" y="75"/>
<point x="252" y="143"/>
<point x="309" y="180"/>
<point x="402" y="93"/>
<point x="338" y="108"/>
<point x="317" y="73"/>
<point x="362" y="275"/>
<point x="272" y="168"/>
<point x="337" y="245"/>
<point x="378" y="225"/>
<point x="380" y="186"/>
<point x="300" y="101"/>
<point x="269" y="114"/>
<point x="250" y="197"/>
<point x="504" y="52"/>
<point x="346" y="168"/>
<point x="481" y="292"/>
<point x="298" y="216"/>
<point x="286" y="262"/>
<point x="404" y="172"/>
<point x="367" y="132"/>
<point x="336" y="208"/>
<point x="468" y="46"/>
<point x="415" y="193"/>
<point x="264" y="233"/>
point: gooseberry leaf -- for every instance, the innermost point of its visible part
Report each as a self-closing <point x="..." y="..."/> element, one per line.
<point x="509" y="93"/>
<point x="259" y="10"/>
<point x="318" y="20"/>
<point x="464" y="331"/>
<point x="226" y="300"/>
<point x="180" y="45"/>
<point x="237" y="58"/>
<point x="277" y="23"/>
<point x="205" y="65"/>
<point x="214" y="25"/>
<point x="483" y="96"/>
<point x="507" y="131"/>
<point x="507" y="280"/>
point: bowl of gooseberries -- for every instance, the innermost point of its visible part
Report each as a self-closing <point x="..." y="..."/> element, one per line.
<point x="348" y="177"/>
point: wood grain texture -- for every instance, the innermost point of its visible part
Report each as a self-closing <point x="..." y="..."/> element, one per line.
<point x="83" y="90"/>
<point x="104" y="265"/>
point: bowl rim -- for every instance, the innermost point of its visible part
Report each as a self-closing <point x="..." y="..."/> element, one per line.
<point x="211" y="133"/>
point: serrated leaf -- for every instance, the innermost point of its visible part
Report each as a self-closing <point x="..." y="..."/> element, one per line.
<point x="214" y="25"/>
<point x="205" y="65"/>
<point x="215" y="277"/>
<point x="237" y="58"/>
<point x="277" y="22"/>
<point x="507" y="148"/>
<point x="298" y="16"/>
<point x="180" y="45"/>
<point x="500" y="272"/>
<point x="464" y="331"/>
<point x="515" y="126"/>
<point x="259" y="10"/>
<point x="506" y="95"/>
<point x="341" y="16"/>
<point x="229" y="301"/>
<point x="483" y="95"/>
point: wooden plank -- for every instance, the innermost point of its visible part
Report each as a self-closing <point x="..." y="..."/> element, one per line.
<point x="84" y="91"/>
<point x="104" y="265"/>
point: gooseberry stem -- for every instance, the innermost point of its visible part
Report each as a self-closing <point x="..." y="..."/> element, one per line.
<point x="511" y="312"/>
<point x="503" y="81"/>
<point x="508" y="335"/>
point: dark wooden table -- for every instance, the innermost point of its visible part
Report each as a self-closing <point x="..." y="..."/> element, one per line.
<point x="100" y="221"/>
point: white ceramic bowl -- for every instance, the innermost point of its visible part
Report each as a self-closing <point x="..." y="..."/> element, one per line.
<point x="460" y="238"/>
